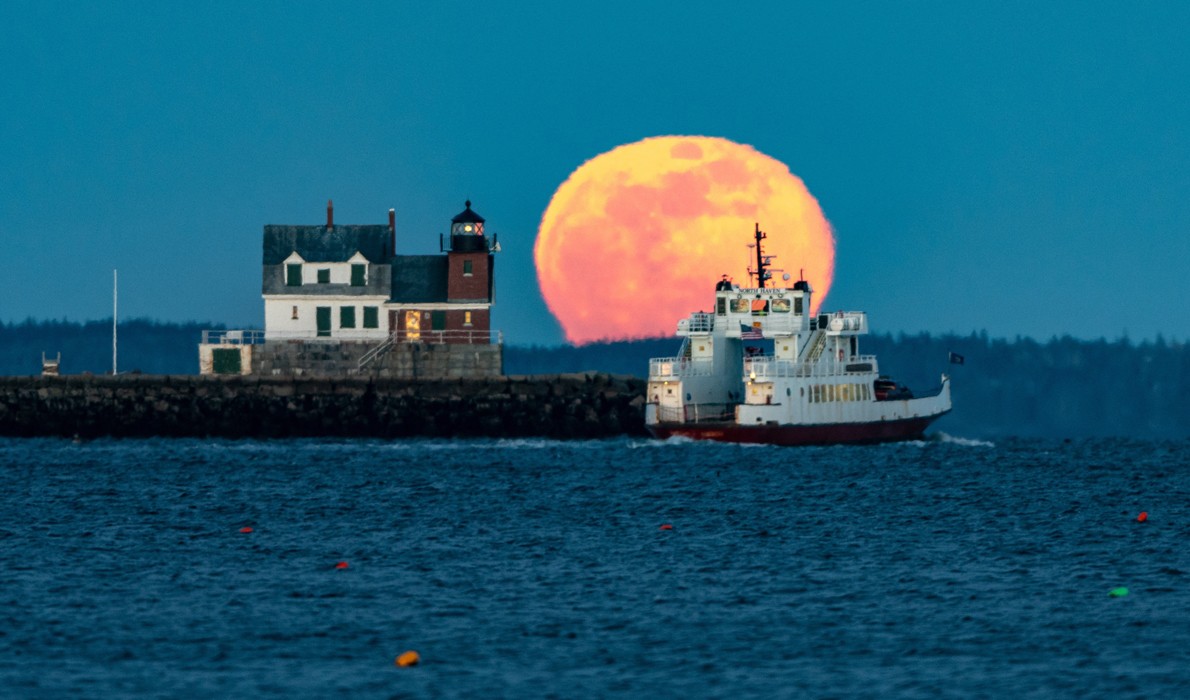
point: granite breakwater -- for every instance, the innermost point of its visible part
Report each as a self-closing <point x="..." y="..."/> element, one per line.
<point x="554" y="406"/>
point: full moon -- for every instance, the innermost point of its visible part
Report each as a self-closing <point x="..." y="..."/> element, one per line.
<point x="637" y="237"/>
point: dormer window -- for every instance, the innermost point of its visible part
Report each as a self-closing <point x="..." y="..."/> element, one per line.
<point x="359" y="275"/>
<point x="293" y="275"/>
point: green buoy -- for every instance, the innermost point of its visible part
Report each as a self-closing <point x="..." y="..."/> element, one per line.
<point x="1118" y="592"/>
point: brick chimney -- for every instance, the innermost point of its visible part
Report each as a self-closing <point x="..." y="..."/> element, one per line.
<point x="392" y="231"/>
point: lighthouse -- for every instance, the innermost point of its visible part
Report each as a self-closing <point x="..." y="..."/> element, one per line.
<point x="340" y="301"/>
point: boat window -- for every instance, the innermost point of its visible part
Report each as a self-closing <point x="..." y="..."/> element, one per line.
<point x="721" y="306"/>
<point x="832" y="392"/>
<point x="780" y="306"/>
<point x="797" y="305"/>
<point x="760" y="307"/>
<point x="846" y="390"/>
<point x="739" y="306"/>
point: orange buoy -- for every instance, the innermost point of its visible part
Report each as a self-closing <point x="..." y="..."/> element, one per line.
<point x="245" y="530"/>
<point x="666" y="526"/>
<point x="341" y="565"/>
<point x="1144" y="515"/>
<point x="409" y="658"/>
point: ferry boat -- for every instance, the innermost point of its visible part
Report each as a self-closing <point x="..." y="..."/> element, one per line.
<point x="761" y="368"/>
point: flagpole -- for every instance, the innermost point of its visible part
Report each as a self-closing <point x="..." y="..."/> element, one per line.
<point x="115" y="295"/>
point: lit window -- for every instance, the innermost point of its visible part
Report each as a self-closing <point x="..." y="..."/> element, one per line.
<point x="466" y="318"/>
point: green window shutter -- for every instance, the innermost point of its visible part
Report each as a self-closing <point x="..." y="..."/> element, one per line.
<point x="357" y="275"/>
<point x="437" y="320"/>
<point x="323" y="319"/>
<point x="293" y="275"/>
<point x="371" y="317"/>
<point x="324" y="276"/>
<point x="346" y="317"/>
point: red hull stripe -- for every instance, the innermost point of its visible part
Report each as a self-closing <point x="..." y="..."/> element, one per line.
<point x="788" y="435"/>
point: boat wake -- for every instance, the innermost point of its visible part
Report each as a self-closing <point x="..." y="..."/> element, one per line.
<point x="955" y="440"/>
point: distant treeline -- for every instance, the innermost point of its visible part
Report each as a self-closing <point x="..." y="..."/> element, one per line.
<point x="1062" y="387"/>
<point x="1059" y="388"/>
<point x="143" y="345"/>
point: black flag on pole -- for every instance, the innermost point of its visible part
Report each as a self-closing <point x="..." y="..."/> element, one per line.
<point x="956" y="359"/>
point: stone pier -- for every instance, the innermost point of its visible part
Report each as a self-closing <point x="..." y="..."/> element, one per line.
<point x="555" y="406"/>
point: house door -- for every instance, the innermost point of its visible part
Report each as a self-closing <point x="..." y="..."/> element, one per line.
<point x="413" y="325"/>
<point x="323" y="315"/>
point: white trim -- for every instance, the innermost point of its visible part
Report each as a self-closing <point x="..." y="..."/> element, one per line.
<point x="437" y="306"/>
<point x="340" y="298"/>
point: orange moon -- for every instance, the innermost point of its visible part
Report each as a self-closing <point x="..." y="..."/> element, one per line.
<point x="637" y="237"/>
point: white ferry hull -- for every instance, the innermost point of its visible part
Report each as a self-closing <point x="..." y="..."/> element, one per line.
<point x="794" y="435"/>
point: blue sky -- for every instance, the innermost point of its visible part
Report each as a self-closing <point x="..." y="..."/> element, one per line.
<point x="986" y="166"/>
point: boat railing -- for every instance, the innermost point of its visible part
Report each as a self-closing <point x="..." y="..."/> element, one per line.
<point x="696" y="413"/>
<point x="698" y="322"/>
<point x="772" y="367"/>
<point x="664" y="367"/>
<point x="232" y="337"/>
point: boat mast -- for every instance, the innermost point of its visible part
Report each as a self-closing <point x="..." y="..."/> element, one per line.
<point x="761" y="274"/>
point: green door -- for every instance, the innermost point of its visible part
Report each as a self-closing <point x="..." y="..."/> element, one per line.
<point x="226" y="360"/>
<point x="323" y="314"/>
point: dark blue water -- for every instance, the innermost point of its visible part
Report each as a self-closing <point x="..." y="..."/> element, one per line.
<point x="540" y="569"/>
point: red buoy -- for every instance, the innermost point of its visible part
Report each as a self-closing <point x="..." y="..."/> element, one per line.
<point x="341" y="565"/>
<point x="1144" y="515"/>
<point x="245" y="530"/>
<point x="667" y="526"/>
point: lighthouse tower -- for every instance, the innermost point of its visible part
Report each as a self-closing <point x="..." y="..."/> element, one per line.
<point x="469" y="272"/>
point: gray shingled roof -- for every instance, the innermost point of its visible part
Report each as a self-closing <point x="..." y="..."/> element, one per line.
<point x="317" y="244"/>
<point x="419" y="278"/>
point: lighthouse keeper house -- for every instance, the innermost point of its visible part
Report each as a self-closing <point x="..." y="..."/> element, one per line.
<point x="339" y="301"/>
